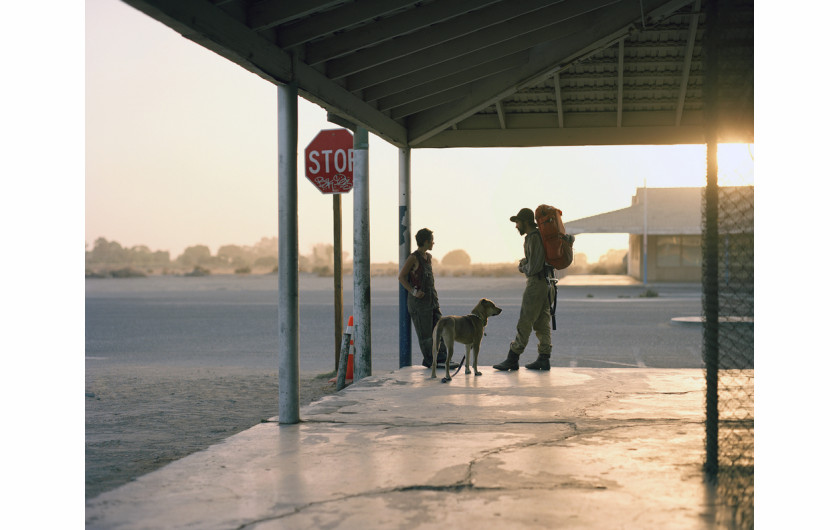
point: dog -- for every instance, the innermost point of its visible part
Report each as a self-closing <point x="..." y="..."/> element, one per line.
<point x="467" y="329"/>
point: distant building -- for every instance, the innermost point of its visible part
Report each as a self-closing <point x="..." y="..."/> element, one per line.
<point x="671" y="218"/>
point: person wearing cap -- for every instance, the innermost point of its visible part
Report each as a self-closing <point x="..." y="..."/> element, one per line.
<point x="535" y="312"/>
<point x="417" y="278"/>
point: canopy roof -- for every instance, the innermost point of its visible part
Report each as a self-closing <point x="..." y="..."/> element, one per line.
<point x="490" y="73"/>
<point x="671" y="211"/>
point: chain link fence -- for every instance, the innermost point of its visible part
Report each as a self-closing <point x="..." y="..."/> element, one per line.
<point x="731" y="455"/>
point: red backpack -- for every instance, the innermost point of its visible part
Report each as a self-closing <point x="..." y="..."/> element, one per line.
<point x="557" y="244"/>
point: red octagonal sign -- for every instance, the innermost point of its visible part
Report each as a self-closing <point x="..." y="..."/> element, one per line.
<point x="329" y="161"/>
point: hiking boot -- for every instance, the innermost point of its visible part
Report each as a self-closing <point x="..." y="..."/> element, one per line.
<point x="511" y="363"/>
<point x="540" y="364"/>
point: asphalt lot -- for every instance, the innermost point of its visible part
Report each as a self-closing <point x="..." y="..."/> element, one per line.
<point x="232" y="321"/>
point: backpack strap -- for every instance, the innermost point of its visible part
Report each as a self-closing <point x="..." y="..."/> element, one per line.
<point x="552" y="301"/>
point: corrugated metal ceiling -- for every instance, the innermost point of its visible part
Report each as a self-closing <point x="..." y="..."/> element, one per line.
<point x="485" y="73"/>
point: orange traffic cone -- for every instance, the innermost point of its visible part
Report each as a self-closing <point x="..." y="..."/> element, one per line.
<point x="348" y="377"/>
<point x="349" y="331"/>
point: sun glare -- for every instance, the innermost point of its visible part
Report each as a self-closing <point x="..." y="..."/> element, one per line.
<point x="736" y="163"/>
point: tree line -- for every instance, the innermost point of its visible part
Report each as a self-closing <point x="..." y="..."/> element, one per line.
<point x="109" y="258"/>
<point x="111" y="254"/>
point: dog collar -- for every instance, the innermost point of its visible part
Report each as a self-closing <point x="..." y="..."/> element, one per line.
<point x="483" y="322"/>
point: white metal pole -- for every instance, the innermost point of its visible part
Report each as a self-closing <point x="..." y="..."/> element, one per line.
<point x="362" y="363"/>
<point x="288" y="313"/>
<point x="404" y="251"/>
<point x="645" y="238"/>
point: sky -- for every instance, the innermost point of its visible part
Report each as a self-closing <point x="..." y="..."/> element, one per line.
<point x="181" y="150"/>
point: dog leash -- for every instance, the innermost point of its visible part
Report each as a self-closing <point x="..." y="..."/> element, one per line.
<point x="464" y="358"/>
<point x="446" y="380"/>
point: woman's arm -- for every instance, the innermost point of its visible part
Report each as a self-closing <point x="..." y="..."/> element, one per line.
<point x="409" y="265"/>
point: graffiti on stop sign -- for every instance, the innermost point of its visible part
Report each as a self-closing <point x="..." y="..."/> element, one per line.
<point x="338" y="183"/>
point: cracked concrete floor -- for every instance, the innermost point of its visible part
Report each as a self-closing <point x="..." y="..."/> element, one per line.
<point x="571" y="448"/>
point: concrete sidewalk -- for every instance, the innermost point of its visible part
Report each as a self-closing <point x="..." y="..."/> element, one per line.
<point x="569" y="448"/>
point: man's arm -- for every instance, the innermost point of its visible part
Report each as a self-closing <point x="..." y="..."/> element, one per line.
<point x="534" y="254"/>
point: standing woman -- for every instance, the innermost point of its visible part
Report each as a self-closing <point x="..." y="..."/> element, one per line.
<point x="417" y="278"/>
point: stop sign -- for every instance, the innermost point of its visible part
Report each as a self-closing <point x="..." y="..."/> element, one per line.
<point x="329" y="161"/>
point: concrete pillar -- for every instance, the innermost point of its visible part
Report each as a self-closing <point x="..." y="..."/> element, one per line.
<point x="287" y="255"/>
<point x="404" y="241"/>
<point x="362" y="366"/>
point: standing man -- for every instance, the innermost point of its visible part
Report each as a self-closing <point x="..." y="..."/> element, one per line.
<point x="535" y="313"/>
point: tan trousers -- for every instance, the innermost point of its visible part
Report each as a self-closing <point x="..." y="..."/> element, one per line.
<point x="535" y="314"/>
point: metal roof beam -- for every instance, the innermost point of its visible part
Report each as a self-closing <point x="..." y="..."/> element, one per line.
<point x="265" y="14"/>
<point x="430" y="101"/>
<point x="559" y="99"/>
<point x="501" y="112"/>
<point x="418" y="85"/>
<point x="440" y="37"/>
<point x="335" y="20"/>
<point x="665" y="135"/>
<point x="210" y="27"/>
<point x="314" y="87"/>
<point x="421" y="104"/>
<point x="596" y="31"/>
<point x="620" y="84"/>
<point x="689" y="52"/>
<point x="394" y="26"/>
<point x="440" y="62"/>
<point x="206" y="24"/>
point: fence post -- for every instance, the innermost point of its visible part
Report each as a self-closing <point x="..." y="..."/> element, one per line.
<point x="711" y="353"/>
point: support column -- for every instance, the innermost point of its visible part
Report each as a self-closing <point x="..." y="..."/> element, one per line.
<point x="287" y="255"/>
<point x="362" y="364"/>
<point x="710" y="238"/>
<point x="338" y="279"/>
<point x="404" y="251"/>
<point x="645" y="241"/>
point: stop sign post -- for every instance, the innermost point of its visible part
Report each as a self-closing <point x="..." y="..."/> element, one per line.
<point x="329" y="166"/>
<point x="329" y="161"/>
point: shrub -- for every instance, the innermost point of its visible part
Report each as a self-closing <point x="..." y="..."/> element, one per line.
<point x="266" y="261"/>
<point x="322" y="271"/>
<point x="93" y="274"/>
<point x="127" y="272"/>
<point x="456" y="258"/>
<point x="198" y="271"/>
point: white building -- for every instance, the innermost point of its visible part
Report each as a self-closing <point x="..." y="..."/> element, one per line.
<point x="668" y="223"/>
